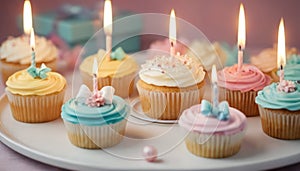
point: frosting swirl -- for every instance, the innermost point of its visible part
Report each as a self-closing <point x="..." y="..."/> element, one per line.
<point x="250" y="78"/>
<point x="192" y="120"/>
<point x="178" y="71"/>
<point x="18" y="50"/>
<point x="266" y="60"/>
<point x="208" y="54"/>
<point x="271" y="98"/>
<point x="107" y="67"/>
<point x="292" y="68"/>
<point x="78" y="112"/>
<point x="23" y="83"/>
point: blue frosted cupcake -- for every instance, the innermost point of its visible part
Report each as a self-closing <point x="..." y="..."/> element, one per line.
<point x="95" y="120"/>
<point x="292" y="68"/>
<point x="279" y="108"/>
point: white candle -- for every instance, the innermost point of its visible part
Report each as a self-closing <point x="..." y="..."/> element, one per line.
<point x="241" y="36"/>
<point x="27" y="18"/>
<point x="32" y="45"/>
<point x="95" y="73"/>
<point x="281" y="53"/>
<point x="172" y="32"/>
<point x="107" y="23"/>
<point x="215" y="91"/>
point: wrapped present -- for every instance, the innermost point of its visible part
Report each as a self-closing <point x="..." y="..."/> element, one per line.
<point x="76" y="25"/>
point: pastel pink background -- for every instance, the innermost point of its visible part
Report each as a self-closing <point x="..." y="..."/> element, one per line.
<point x="217" y="19"/>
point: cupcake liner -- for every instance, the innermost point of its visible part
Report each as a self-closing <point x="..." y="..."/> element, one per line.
<point x="168" y="105"/>
<point x="95" y="137"/>
<point x="123" y="85"/>
<point x="214" y="146"/>
<point x="7" y="68"/>
<point x="243" y="101"/>
<point x="35" y="109"/>
<point x="280" y="123"/>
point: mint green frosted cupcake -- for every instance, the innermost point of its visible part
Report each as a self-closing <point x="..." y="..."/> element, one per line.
<point x="279" y="108"/>
<point x="95" y="121"/>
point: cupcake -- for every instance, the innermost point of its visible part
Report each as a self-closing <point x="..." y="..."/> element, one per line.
<point x="118" y="71"/>
<point x="240" y="88"/>
<point x="211" y="134"/>
<point x="170" y="84"/>
<point x="279" y="108"/>
<point x="35" y="99"/>
<point x="266" y="61"/>
<point x="15" y="54"/>
<point x="95" y="120"/>
<point x="164" y="46"/>
<point x="208" y="53"/>
<point x="292" y="68"/>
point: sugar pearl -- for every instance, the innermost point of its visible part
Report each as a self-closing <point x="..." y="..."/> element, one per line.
<point x="150" y="153"/>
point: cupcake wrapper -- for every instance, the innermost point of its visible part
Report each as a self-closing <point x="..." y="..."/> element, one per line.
<point x="282" y="124"/>
<point x="243" y="101"/>
<point x="36" y="109"/>
<point x="95" y="137"/>
<point x="214" y="146"/>
<point x="123" y="85"/>
<point x="7" y="69"/>
<point x="167" y="105"/>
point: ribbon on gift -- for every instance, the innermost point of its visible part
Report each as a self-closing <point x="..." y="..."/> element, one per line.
<point x="97" y="99"/>
<point x="221" y="112"/>
<point x="118" y="54"/>
<point x="39" y="72"/>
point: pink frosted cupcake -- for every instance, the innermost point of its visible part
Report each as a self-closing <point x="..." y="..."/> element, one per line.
<point x="240" y="88"/>
<point x="213" y="134"/>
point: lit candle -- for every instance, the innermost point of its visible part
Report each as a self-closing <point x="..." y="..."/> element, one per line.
<point x="27" y="17"/>
<point x="107" y="23"/>
<point x="281" y="54"/>
<point x="215" y="91"/>
<point x="241" y="36"/>
<point x="95" y="73"/>
<point x="32" y="45"/>
<point x="172" y="32"/>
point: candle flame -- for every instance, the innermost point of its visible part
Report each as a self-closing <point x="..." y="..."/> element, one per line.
<point x="27" y="17"/>
<point x="32" y="39"/>
<point x="214" y="76"/>
<point x="95" y="67"/>
<point x="242" y="28"/>
<point x="107" y="21"/>
<point x="172" y="27"/>
<point x="281" y="54"/>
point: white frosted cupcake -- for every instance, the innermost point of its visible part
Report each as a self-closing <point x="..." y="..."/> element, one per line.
<point x="15" y="54"/>
<point x="168" y="85"/>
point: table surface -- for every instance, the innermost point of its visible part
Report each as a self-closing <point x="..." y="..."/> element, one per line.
<point x="11" y="160"/>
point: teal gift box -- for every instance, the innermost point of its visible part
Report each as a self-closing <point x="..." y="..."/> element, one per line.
<point x="78" y="30"/>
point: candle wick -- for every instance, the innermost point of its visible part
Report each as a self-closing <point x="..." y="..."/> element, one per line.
<point x="240" y="48"/>
<point x="281" y="67"/>
<point x="32" y="49"/>
<point x="172" y="44"/>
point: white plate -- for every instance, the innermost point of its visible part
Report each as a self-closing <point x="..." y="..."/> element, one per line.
<point x="138" y="113"/>
<point x="48" y="143"/>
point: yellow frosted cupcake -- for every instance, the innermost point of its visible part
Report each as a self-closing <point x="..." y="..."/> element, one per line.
<point x="15" y="54"/>
<point x="118" y="71"/>
<point x="35" y="99"/>
<point x="168" y="85"/>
